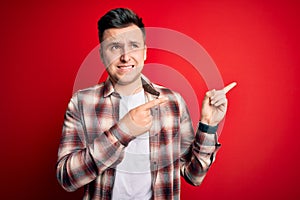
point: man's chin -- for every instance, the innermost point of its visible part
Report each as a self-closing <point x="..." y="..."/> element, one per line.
<point x="127" y="80"/>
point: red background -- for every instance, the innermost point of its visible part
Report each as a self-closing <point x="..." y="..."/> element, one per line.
<point x="255" y="43"/>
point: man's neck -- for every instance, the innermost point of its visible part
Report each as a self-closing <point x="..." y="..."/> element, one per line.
<point x="129" y="89"/>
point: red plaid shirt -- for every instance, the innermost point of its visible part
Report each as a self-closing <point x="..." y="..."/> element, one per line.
<point x="92" y="143"/>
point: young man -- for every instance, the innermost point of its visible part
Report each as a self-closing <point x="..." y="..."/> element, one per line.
<point x="128" y="138"/>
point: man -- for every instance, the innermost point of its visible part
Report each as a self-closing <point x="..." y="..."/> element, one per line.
<point x="128" y="138"/>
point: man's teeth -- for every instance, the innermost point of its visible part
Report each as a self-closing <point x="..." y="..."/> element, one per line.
<point x="126" y="67"/>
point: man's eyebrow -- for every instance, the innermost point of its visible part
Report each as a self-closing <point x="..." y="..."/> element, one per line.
<point x="115" y="42"/>
<point x="135" y="42"/>
<point x="111" y="43"/>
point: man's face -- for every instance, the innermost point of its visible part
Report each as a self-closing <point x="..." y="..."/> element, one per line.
<point x="123" y="53"/>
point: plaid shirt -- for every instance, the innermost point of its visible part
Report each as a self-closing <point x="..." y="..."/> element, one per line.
<point x="92" y="143"/>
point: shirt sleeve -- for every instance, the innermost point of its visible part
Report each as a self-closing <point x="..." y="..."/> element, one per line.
<point x="198" y="151"/>
<point x="80" y="162"/>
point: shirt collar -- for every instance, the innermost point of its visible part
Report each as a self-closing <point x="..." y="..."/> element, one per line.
<point x="147" y="85"/>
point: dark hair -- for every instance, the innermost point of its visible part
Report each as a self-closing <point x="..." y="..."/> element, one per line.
<point x="119" y="18"/>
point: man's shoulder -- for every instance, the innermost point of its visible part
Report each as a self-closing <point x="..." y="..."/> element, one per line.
<point x="92" y="90"/>
<point x="164" y="91"/>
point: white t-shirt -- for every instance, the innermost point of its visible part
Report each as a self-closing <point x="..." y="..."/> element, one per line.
<point x="133" y="175"/>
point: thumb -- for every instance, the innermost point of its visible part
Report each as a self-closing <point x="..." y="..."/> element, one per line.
<point x="210" y="93"/>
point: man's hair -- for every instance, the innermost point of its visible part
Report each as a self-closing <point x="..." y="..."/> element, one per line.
<point x="119" y="18"/>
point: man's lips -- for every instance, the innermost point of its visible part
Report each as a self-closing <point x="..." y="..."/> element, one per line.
<point x="125" y="68"/>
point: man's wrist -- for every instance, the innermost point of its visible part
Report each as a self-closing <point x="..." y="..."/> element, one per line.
<point x="207" y="128"/>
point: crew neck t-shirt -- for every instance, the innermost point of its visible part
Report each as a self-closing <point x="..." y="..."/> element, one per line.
<point x="133" y="175"/>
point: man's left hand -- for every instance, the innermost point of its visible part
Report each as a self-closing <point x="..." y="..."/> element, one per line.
<point x="214" y="105"/>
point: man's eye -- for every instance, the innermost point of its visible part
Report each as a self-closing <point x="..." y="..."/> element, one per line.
<point x="135" y="46"/>
<point x="115" y="47"/>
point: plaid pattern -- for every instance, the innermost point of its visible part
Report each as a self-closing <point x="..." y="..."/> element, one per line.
<point x="92" y="143"/>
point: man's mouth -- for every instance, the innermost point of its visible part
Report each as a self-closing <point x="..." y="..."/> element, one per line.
<point x="125" y="67"/>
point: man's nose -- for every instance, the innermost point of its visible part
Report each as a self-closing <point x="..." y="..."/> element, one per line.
<point x="125" y="56"/>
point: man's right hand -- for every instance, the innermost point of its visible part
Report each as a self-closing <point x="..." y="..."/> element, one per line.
<point x="139" y="120"/>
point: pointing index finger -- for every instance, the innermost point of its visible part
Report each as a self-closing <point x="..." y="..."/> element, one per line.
<point x="229" y="87"/>
<point x="154" y="103"/>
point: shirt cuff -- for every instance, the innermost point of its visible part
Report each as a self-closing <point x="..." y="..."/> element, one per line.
<point x="121" y="135"/>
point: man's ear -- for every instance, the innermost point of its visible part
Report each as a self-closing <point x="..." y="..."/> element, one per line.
<point x="145" y="52"/>
<point x="101" y="54"/>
